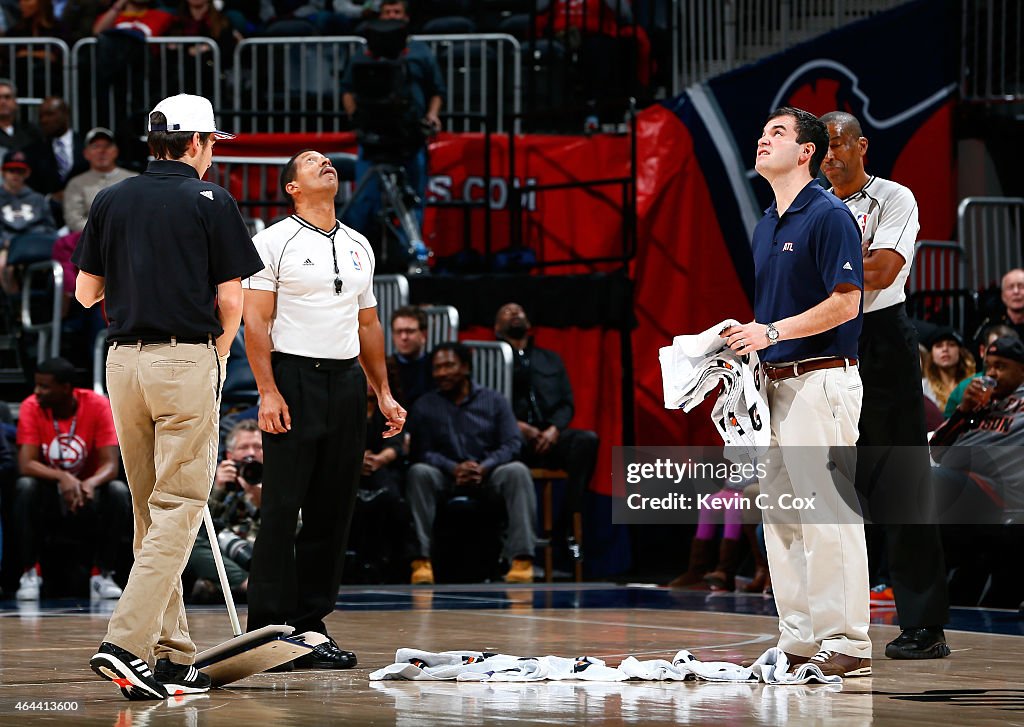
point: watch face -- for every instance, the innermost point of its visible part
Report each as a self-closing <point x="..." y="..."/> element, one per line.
<point x="773" y="333"/>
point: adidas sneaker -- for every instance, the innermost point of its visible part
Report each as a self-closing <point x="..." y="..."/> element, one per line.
<point x="181" y="678"/>
<point x="128" y="672"/>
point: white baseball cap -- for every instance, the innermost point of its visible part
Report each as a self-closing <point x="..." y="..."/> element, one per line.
<point x="186" y="112"/>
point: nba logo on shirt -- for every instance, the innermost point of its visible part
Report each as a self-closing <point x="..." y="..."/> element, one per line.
<point x="787" y="247"/>
<point x="355" y="260"/>
<point x="862" y="220"/>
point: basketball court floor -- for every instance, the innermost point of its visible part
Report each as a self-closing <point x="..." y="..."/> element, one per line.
<point x="44" y="653"/>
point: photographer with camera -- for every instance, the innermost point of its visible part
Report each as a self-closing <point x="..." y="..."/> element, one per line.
<point x="393" y="93"/>
<point x="235" y="506"/>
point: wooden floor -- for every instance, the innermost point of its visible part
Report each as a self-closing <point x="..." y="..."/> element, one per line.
<point x="45" y="652"/>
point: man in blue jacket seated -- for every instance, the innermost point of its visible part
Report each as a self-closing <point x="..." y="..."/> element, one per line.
<point x="465" y="436"/>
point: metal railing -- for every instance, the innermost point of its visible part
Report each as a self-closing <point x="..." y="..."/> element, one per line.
<point x="48" y="330"/>
<point x="391" y="292"/>
<point x="992" y="51"/>
<point x="990" y="231"/>
<point x="295" y="83"/>
<point x="714" y="36"/>
<point x="170" y="65"/>
<point x="938" y="265"/>
<point x="442" y="324"/>
<point x="39" y="67"/>
<point x="483" y="74"/>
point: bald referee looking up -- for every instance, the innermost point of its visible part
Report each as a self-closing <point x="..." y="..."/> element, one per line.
<point x="166" y="251"/>
<point x="311" y="332"/>
<point x="892" y="462"/>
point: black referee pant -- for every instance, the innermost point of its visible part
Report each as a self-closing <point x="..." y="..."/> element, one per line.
<point x="315" y="468"/>
<point x="893" y="469"/>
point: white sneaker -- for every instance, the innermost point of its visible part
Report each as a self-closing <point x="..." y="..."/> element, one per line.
<point x="29" y="586"/>
<point x="103" y="587"/>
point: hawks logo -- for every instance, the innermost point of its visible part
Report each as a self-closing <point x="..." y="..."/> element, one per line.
<point x="67" y="453"/>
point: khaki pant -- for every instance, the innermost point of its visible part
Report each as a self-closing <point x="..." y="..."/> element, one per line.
<point x="818" y="559"/>
<point x="165" y="399"/>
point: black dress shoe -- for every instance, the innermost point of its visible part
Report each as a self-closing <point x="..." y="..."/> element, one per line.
<point x="923" y="643"/>
<point x="326" y="656"/>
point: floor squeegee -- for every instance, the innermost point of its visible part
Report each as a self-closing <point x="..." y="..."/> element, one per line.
<point x="253" y="652"/>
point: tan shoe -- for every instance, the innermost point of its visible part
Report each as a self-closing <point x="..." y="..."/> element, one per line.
<point x="832" y="663"/>
<point x="520" y="572"/>
<point x="422" y="572"/>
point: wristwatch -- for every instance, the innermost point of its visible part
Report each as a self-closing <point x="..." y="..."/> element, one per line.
<point x="772" y="334"/>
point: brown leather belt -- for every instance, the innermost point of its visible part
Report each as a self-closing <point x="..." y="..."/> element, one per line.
<point x="780" y="372"/>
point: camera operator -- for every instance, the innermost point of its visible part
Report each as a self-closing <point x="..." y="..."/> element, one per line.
<point x="235" y="507"/>
<point x="390" y="132"/>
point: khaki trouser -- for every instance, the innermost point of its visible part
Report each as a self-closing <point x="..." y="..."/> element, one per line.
<point x="166" y="400"/>
<point x="818" y="559"/>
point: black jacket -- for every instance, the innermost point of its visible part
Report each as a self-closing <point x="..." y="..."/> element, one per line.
<point x="541" y="394"/>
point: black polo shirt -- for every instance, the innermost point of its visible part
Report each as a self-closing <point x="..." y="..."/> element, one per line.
<point x="799" y="259"/>
<point x="163" y="241"/>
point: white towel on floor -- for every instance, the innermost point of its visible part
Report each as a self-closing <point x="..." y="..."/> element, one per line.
<point x="476" y="666"/>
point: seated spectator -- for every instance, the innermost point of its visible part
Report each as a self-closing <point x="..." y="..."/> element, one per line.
<point x="1011" y="292"/>
<point x="980" y="447"/>
<point x="381" y="522"/>
<point x="68" y="461"/>
<point x="76" y="17"/>
<point x="409" y="366"/>
<point x="988" y="336"/>
<point x="543" y="404"/>
<point x="121" y="34"/>
<point x="947" y="363"/>
<point x="25" y="218"/>
<point x="463" y="437"/>
<point x="14" y="134"/>
<point x="203" y="18"/>
<point x="57" y="156"/>
<point x="235" y="507"/>
<point x="100" y="151"/>
<point x="37" y="21"/>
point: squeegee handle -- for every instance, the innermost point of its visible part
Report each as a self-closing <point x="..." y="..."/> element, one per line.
<point x="218" y="559"/>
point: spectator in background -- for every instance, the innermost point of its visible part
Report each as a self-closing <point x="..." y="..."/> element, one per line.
<point x="235" y="508"/>
<point x="464" y="437"/>
<point x="203" y="18"/>
<point x="14" y="134"/>
<point x="57" y="156"/>
<point x="947" y="363"/>
<point x="409" y="366"/>
<point x="421" y="99"/>
<point x="23" y="212"/>
<point x="121" y="34"/>
<point x="979" y="448"/>
<point x="100" y="151"/>
<point x="988" y="337"/>
<point x="37" y="21"/>
<point x="543" y="403"/>
<point x="1012" y="294"/>
<point x="68" y="459"/>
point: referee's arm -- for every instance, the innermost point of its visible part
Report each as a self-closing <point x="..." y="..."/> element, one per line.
<point x="274" y="416"/>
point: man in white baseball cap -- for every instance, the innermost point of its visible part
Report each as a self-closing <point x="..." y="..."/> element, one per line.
<point x="166" y="251"/>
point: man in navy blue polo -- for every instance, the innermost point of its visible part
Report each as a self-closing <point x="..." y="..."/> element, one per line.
<point x="809" y="278"/>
